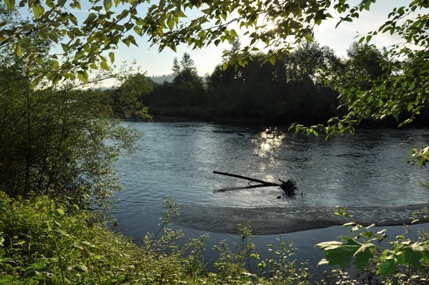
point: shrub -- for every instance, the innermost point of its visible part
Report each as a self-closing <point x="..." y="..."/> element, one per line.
<point x="41" y="243"/>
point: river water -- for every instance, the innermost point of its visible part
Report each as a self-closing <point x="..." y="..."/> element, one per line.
<point x="367" y="170"/>
<point x="178" y="159"/>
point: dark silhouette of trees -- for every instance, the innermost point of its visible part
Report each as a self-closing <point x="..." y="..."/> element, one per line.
<point x="301" y="86"/>
<point x="129" y="101"/>
<point x="290" y="89"/>
<point x="185" y="96"/>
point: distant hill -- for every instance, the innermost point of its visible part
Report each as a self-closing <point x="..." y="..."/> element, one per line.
<point x="162" y="78"/>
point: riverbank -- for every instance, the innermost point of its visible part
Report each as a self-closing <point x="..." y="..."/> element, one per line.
<point x="277" y="122"/>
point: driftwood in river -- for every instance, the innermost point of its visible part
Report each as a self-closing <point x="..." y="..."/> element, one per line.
<point x="289" y="187"/>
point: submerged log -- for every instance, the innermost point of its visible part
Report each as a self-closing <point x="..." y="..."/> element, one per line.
<point x="247" y="178"/>
<point x="289" y="187"/>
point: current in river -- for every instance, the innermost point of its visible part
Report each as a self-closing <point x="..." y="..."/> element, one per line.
<point x="177" y="159"/>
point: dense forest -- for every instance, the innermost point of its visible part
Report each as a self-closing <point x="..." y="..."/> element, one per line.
<point x="295" y="88"/>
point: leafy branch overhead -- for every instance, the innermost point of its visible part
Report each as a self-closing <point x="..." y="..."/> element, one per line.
<point x="400" y="92"/>
<point x="169" y="23"/>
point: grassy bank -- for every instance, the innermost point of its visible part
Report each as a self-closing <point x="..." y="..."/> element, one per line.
<point x="44" y="242"/>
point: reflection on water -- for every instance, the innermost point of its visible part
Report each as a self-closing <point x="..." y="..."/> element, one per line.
<point x="268" y="141"/>
<point x="178" y="159"/>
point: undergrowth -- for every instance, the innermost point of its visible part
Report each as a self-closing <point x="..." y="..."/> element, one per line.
<point x="44" y="242"/>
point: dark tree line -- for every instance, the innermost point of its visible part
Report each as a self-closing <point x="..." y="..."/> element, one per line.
<point x="297" y="87"/>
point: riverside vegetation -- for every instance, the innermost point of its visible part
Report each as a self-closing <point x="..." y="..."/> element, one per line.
<point x="43" y="241"/>
<point x="58" y="139"/>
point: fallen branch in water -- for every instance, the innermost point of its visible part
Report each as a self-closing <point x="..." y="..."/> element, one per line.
<point x="289" y="187"/>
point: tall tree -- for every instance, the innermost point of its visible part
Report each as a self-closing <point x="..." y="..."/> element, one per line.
<point x="185" y="71"/>
<point x="55" y="140"/>
<point x="187" y="84"/>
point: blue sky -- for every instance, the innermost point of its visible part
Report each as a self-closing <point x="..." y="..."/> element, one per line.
<point x="155" y="63"/>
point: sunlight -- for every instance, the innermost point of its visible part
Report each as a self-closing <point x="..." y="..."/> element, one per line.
<point x="266" y="24"/>
<point x="269" y="140"/>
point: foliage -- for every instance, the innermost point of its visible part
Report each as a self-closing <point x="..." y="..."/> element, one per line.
<point x="128" y="100"/>
<point x="43" y="243"/>
<point x="394" y="87"/>
<point x="109" y="23"/>
<point x="404" y="262"/>
<point x="400" y="93"/>
<point x="185" y="96"/>
<point x="56" y="139"/>
<point x="196" y="23"/>
<point x="285" y="92"/>
<point x="401" y="90"/>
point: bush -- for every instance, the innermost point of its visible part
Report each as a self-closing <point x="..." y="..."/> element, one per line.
<point x="41" y="243"/>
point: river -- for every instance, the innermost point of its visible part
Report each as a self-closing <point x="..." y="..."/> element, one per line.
<point x="367" y="172"/>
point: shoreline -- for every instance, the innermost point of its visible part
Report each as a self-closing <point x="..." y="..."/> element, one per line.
<point x="261" y="122"/>
<point x="269" y="221"/>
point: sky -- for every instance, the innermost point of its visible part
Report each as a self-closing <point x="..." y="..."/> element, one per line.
<point x="149" y="59"/>
<point x="156" y="63"/>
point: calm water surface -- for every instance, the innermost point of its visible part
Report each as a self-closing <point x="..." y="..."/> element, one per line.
<point x="178" y="159"/>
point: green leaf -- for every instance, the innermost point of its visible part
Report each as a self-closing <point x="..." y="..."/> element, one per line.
<point x="34" y="267"/>
<point x="170" y="23"/>
<point x="91" y="17"/>
<point x="82" y="75"/>
<point x="38" y="11"/>
<point x="88" y="245"/>
<point x="104" y="65"/>
<point x="6" y="279"/>
<point x="10" y="4"/>
<point x="350" y="224"/>
<point x="81" y="268"/>
<point x="107" y="5"/>
<point x="73" y="19"/>
<point x="18" y="50"/>
<point x="43" y="33"/>
<point x="339" y="253"/>
<point x="309" y="37"/>
<point x="138" y="30"/>
<point x="75" y="4"/>
<point x="363" y="255"/>
<point x="60" y="212"/>
<point x="387" y="266"/>
<point x="53" y="37"/>
<point x="65" y="47"/>
<point x="234" y="33"/>
<point x="112" y="56"/>
<point x="180" y="14"/>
